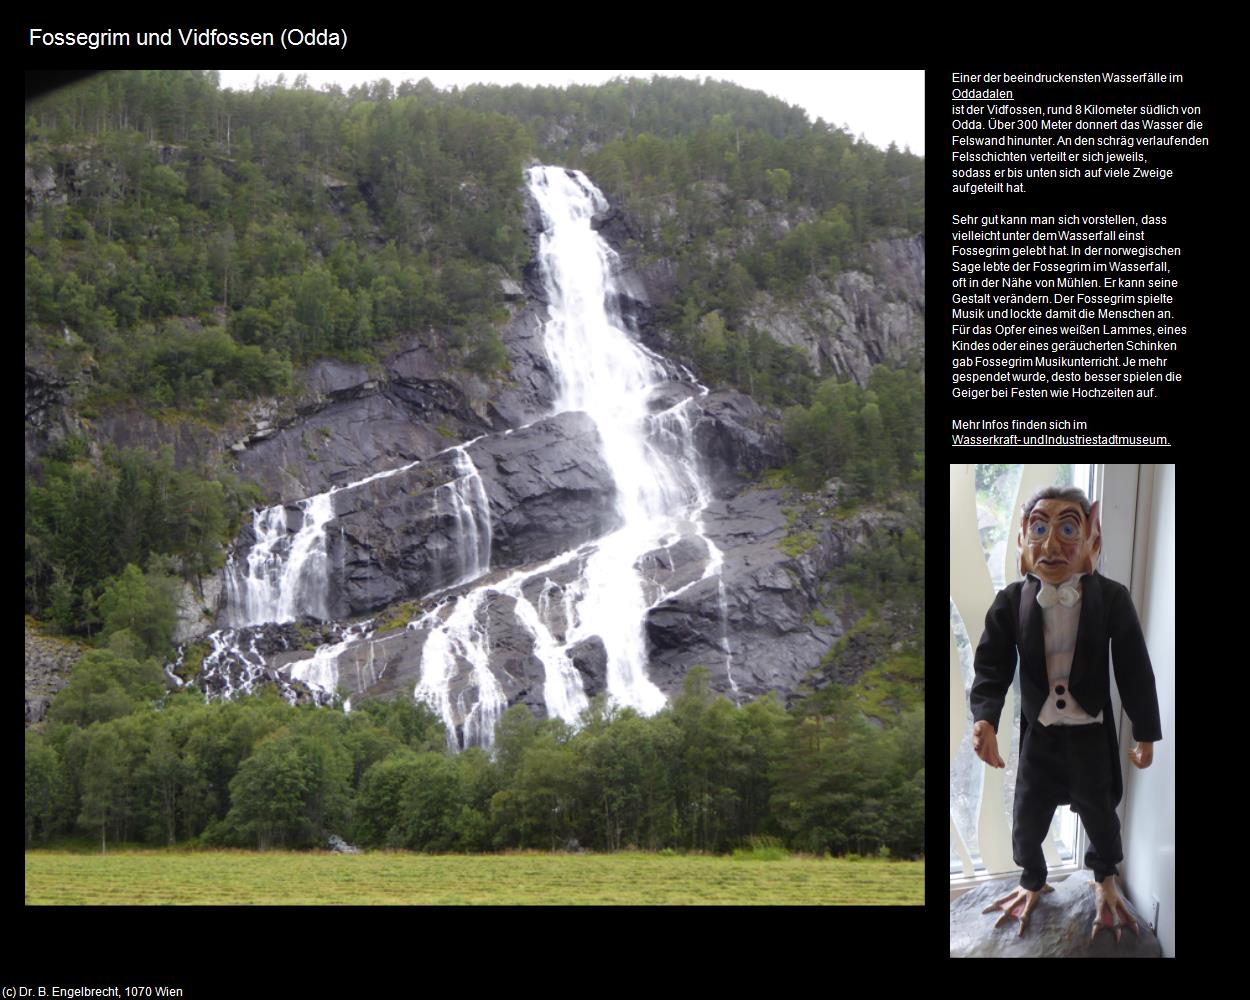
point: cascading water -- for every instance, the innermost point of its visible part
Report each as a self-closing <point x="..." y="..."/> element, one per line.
<point x="601" y="370"/>
<point x="285" y="575"/>
<point x="321" y="671"/>
<point x="470" y="512"/>
<point x="660" y="497"/>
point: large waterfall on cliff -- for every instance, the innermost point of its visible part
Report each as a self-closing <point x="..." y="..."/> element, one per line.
<point x="602" y="371"/>
<point x="595" y="594"/>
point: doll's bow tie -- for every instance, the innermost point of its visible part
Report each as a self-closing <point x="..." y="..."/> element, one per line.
<point x="1066" y="594"/>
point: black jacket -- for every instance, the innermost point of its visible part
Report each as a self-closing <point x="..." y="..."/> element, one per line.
<point x="1108" y="622"/>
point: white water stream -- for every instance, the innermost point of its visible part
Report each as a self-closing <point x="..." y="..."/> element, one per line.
<point x="660" y="498"/>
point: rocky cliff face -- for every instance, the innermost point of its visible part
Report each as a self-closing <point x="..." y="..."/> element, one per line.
<point x="762" y="624"/>
<point x="50" y="415"/>
<point x="49" y="662"/>
<point x="344" y="422"/>
<point x="352" y="421"/>
<point x="394" y="539"/>
<point x="871" y="314"/>
<point x="744" y="592"/>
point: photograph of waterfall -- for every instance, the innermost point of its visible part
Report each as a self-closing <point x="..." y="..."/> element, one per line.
<point x="476" y="465"/>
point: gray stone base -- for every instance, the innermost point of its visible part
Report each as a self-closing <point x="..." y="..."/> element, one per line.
<point x="1059" y="926"/>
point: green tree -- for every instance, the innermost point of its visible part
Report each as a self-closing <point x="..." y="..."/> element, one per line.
<point x="707" y="746"/>
<point x="778" y="183"/>
<point x="164" y="776"/>
<point x="106" y="685"/>
<point x="293" y="791"/>
<point x="144" y="605"/>
<point x="103" y="781"/>
<point x="377" y="812"/>
<point x="268" y="795"/>
<point x="430" y="804"/>
<point x="45" y="789"/>
<point x="413" y="723"/>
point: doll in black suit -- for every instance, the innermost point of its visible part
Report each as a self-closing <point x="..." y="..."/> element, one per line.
<point x="1059" y="622"/>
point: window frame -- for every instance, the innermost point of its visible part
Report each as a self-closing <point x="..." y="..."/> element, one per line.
<point x="1115" y="488"/>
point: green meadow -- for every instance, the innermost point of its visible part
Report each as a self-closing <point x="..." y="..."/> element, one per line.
<point x="400" y="879"/>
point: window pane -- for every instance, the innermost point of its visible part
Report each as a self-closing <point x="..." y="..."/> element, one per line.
<point x="997" y="494"/>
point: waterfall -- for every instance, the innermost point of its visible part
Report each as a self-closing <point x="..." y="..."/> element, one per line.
<point x="603" y="593"/>
<point x="321" y="671"/>
<point x="470" y="512"/>
<point x="660" y="496"/>
<point x="285" y="574"/>
<point x="601" y="370"/>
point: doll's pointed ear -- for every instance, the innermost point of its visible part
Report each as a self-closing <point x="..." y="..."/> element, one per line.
<point x="1094" y="534"/>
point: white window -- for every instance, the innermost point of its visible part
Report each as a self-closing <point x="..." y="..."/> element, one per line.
<point x="985" y="521"/>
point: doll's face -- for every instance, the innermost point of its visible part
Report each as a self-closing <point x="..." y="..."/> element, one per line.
<point x="1057" y="541"/>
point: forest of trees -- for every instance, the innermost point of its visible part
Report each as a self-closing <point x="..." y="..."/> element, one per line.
<point x="202" y="239"/>
<point x="701" y="775"/>
<point x="871" y="436"/>
<point x="87" y="522"/>
<point x="207" y="239"/>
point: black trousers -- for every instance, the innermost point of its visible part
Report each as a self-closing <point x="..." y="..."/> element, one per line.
<point x="1062" y="765"/>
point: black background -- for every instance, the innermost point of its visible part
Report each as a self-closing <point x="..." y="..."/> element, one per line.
<point x="323" y="952"/>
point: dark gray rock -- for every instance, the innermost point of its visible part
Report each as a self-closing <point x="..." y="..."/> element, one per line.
<point x="546" y="591"/>
<point x="549" y="488"/>
<point x="668" y="569"/>
<point x="520" y="673"/>
<point x="37" y="709"/>
<point x="667" y="395"/>
<point x="387" y="666"/>
<point x="245" y="660"/>
<point x="756" y="621"/>
<point x="529" y="392"/>
<point x="399" y="536"/>
<point x="194" y="445"/>
<point x="49" y="663"/>
<point x="616" y="226"/>
<point x="352" y="424"/>
<point x="661" y="279"/>
<point x="590" y="658"/>
<point x="350" y="421"/>
<point x="41" y="187"/>
<point x="872" y="313"/>
<point x="394" y="538"/>
<point x="333" y="379"/>
<point x="50" y="418"/>
<point x="196" y="604"/>
<point x="1059" y="926"/>
<point x="737" y="438"/>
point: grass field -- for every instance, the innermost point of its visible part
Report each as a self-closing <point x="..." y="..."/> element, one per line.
<point x="242" y="877"/>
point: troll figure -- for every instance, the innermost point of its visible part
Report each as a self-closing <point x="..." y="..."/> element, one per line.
<point x="1059" y="622"/>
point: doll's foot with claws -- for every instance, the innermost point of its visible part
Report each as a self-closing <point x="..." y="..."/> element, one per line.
<point x="1017" y="905"/>
<point x="1110" y="912"/>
